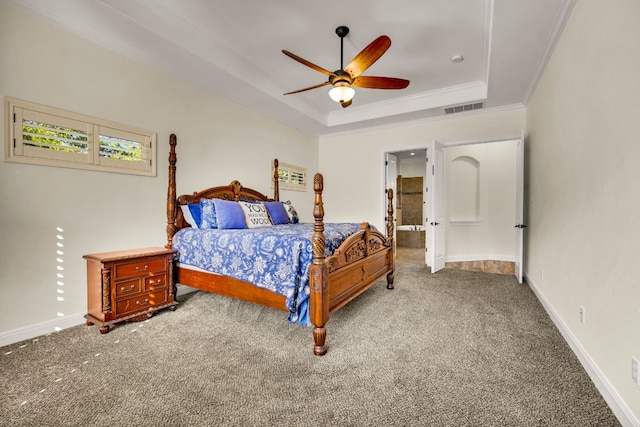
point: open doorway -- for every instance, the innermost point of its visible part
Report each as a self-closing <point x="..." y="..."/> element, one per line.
<point x="409" y="181"/>
<point x="475" y="221"/>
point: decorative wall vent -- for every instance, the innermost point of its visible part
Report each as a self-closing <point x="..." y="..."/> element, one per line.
<point x="461" y="108"/>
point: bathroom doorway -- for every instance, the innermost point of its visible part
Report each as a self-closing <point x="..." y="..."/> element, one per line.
<point x="484" y="189"/>
<point x="410" y="205"/>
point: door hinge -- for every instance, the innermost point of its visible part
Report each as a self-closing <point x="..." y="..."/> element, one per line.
<point x="433" y="169"/>
<point x="14" y="117"/>
<point x="386" y="163"/>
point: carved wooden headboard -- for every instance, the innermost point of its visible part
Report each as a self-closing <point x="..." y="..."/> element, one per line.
<point x="234" y="191"/>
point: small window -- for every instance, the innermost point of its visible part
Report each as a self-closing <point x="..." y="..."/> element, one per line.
<point x="292" y="177"/>
<point x="42" y="135"/>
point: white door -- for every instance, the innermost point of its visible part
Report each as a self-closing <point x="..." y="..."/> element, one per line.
<point x="520" y="210"/>
<point x="391" y="177"/>
<point x="435" y="255"/>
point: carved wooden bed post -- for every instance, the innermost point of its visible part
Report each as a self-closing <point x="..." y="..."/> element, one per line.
<point x="391" y="242"/>
<point x="171" y="192"/>
<point x="276" y="181"/>
<point x="319" y="303"/>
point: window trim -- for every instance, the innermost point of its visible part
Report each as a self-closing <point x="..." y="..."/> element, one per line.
<point x="14" y="149"/>
<point x="291" y="169"/>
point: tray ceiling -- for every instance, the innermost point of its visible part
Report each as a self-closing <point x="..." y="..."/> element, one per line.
<point x="234" y="49"/>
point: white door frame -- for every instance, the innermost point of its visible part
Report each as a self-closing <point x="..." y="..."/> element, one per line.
<point x="519" y="220"/>
<point x="432" y="192"/>
<point x="436" y="226"/>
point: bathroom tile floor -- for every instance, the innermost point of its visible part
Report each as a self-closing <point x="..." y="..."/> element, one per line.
<point x="417" y="256"/>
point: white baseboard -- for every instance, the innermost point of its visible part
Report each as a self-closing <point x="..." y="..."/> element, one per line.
<point x="610" y="395"/>
<point x="39" y="329"/>
<point x="54" y="325"/>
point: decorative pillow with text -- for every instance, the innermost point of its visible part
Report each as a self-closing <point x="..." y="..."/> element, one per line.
<point x="255" y="214"/>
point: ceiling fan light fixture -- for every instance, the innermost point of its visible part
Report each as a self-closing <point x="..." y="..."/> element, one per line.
<point x="342" y="92"/>
<point x="343" y="79"/>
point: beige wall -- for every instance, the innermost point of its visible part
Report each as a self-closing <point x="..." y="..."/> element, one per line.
<point x="584" y="187"/>
<point x="355" y="161"/>
<point x="217" y="141"/>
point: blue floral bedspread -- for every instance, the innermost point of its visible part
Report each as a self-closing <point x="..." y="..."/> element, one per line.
<point x="276" y="258"/>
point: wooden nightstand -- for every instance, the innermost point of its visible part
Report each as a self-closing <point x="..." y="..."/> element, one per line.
<point x="128" y="285"/>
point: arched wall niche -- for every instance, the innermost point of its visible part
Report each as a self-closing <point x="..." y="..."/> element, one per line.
<point x="465" y="189"/>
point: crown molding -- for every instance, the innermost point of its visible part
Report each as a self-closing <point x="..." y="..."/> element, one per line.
<point x="470" y="92"/>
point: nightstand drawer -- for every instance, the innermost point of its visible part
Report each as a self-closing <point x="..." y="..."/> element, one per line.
<point x="140" y="303"/>
<point x="155" y="282"/>
<point x="141" y="267"/>
<point x="128" y="288"/>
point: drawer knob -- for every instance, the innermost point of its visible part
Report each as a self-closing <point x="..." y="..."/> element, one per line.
<point x="145" y="268"/>
<point x="123" y="289"/>
<point x="145" y="302"/>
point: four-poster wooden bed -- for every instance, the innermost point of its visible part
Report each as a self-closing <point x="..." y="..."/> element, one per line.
<point x="333" y="280"/>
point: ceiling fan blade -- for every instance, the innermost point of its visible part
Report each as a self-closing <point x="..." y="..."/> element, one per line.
<point x="372" y="82"/>
<point x="368" y="56"/>
<point x="345" y="104"/>
<point x="308" y="88"/>
<point x="307" y="63"/>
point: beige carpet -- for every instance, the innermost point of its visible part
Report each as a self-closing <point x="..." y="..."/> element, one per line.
<point x="456" y="348"/>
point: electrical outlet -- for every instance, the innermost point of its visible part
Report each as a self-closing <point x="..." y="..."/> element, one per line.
<point x="635" y="370"/>
<point x="582" y="315"/>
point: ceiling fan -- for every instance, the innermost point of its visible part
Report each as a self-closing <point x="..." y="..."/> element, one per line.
<point x="343" y="79"/>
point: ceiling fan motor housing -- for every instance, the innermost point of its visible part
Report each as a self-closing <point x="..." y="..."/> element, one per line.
<point x="340" y="78"/>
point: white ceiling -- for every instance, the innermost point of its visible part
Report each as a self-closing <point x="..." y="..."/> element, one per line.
<point x="233" y="48"/>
